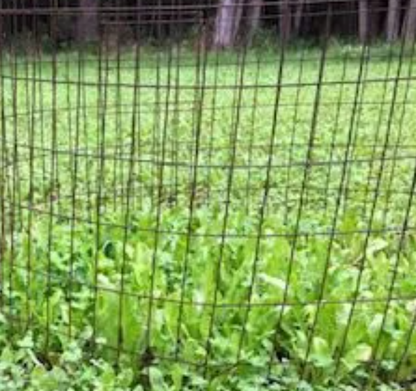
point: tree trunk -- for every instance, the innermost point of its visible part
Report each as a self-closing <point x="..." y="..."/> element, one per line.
<point x="239" y="7"/>
<point x="410" y="22"/>
<point x="374" y="18"/>
<point x="1" y="32"/>
<point x="254" y="8"/>
<point x="285" y="20"/>
<point x="363" y="29"/>
<point x="87" y="22"/>
<point x="393" y="16"/>
<point x="298" y="17"/>
<point x="227" y="23"/>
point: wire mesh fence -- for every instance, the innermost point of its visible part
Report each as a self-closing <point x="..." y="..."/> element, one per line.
<point x="182" y="193"/>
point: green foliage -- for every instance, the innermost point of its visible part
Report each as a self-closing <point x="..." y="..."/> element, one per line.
<point x="76" y="282"/>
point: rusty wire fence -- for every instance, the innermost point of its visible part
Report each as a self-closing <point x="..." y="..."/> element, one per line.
<point x="175" y="204"/>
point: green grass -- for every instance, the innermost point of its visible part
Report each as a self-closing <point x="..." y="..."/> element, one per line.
<point x="191" y="274"/>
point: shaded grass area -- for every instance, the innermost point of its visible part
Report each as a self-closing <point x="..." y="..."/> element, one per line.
<point x="232" y="221"/>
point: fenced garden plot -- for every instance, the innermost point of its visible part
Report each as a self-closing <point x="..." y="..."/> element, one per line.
<point x="212" y="219"/>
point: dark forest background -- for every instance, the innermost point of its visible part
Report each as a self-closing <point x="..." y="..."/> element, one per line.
<point x="217" y="23"/>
